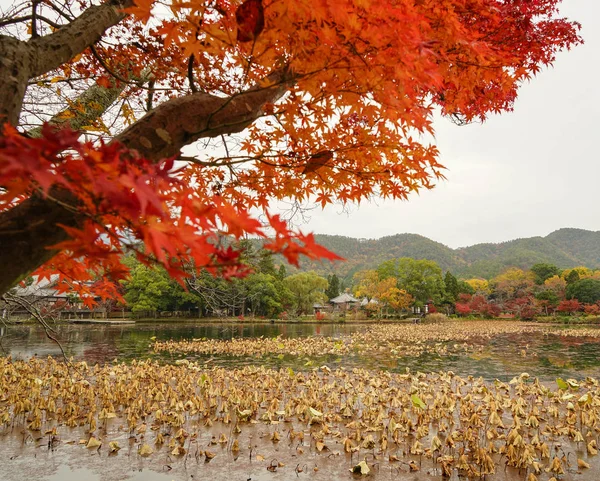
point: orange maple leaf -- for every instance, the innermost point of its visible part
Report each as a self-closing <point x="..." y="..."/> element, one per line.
<point x="142" y="9"/>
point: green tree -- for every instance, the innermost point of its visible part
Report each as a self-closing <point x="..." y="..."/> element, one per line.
<point x="151" y="289"/>
<point x="219" y="297"/>
<point x="547" y="299"/>
<point x="281" y="272"/>
<point x="572" y="277"/>
<point x="451" y="287"/>
<point x="586" y="291"/>
<point x="543" y="271"/>
<point x="265" y="294"/>
<point x="266" y="265"/>
<point x="306" y="288"/>
<point x="261" y="293"/>
<point x="333" y="289"/>
<point x="465" y="288"/>
<point x="422" y="278"/>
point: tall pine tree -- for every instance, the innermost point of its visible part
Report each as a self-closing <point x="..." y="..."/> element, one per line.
<point x="333" y="290"/>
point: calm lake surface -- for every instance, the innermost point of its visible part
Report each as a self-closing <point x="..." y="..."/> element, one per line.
<point x="502" y="356"/>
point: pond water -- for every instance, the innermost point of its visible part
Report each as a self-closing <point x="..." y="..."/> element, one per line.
<point x="502" y="357"/>
<point x="544" y="353"/>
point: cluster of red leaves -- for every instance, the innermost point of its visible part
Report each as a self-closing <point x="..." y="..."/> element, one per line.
<point x="591" y="309"/>
<point x="476" y="305"/>
<point x="250" y="17"/>
<point x="523" y="307"/>
<point x="127" y="203"/>
<point x="569" y="306"/>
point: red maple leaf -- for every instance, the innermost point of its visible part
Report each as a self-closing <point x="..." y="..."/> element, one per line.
<point x="250" y="18"/>
<point x="320" y="159"/>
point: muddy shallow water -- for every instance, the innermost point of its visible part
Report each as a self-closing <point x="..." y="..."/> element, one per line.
<point x="28" y="455"/>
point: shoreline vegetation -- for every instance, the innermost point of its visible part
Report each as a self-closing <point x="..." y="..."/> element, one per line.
<point x="398" y="289"/>
<point x="563" y="320"/>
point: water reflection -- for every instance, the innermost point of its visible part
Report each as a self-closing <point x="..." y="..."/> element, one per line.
<point x="502" y="357"/>
<point x="102" y="343"/>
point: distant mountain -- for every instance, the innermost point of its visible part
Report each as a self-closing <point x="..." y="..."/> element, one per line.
<point x="564" y="248"/>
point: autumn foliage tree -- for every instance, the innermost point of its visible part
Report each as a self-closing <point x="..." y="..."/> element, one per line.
<point x="382" y="292"/>
<point x="141" y="101"/>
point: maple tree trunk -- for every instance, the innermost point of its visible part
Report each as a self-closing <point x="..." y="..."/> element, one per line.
<point x="15" y="64"/>
<point x="29" y="229"/>
<point x="26" y="231"/>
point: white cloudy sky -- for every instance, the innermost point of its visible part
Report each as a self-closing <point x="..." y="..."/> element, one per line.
<point x="520" y="174"/>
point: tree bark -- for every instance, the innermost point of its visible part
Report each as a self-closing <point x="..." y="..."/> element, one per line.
<point x="25" y="233"/>
<point x="164" y="131"/>
<point x="51" y="51"/>
<point x="16" y="59"/>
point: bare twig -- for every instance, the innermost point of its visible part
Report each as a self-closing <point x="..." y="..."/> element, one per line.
<point x="11" y="21"/>
<point x="191" y="74"/>
<point x="34" y="33"/>
<point x="37" y="315"/>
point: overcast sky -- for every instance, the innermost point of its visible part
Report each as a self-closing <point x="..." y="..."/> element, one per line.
<point x="520" y="174"/>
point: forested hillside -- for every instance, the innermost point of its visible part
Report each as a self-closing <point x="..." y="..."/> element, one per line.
<point x="564" y="248"/>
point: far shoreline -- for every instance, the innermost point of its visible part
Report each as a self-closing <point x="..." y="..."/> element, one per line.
<point x="128" y="321"/>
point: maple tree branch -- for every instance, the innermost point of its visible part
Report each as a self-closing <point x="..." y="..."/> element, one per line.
<point x="178" y="122"/>
<point x="89" y="105"/>
<point x="191" y="74"/>
<point x="34" y="17"/>
<point x="59" y="47"/>
<point x="13" y="20"/>
<point x="85" y="109"/>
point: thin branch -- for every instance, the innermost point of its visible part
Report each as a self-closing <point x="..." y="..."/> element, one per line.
<point x="191" y="74"/>
<point x="11" y="21"/>
<point x="49" y="22"/>
<point x="34" y="33"/>
<point x="25" y="18"/>
<point x="59" y="11"/>
<point x="150" y="97"/>
<point x="37" y="315"/>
